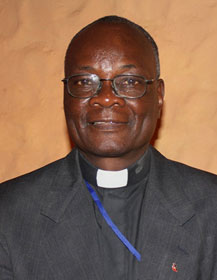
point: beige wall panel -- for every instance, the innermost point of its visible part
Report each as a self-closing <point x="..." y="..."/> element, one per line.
<point x="34" y="35"/>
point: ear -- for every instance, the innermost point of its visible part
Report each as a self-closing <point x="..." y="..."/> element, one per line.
<point x="160" y="95"/>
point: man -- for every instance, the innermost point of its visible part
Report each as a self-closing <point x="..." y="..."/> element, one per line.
<point x="114" y="208"/>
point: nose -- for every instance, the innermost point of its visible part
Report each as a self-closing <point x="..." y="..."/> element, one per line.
<point x="106" y="97"/>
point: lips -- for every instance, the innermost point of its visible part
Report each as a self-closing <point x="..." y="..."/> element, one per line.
<point x="107" y="124"/>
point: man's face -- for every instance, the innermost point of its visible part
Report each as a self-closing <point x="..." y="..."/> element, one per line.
<point x="105" y="125"/>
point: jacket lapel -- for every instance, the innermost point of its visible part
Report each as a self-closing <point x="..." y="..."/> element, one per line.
<point x="70" y="244"/>
<point x="168" y="220"/>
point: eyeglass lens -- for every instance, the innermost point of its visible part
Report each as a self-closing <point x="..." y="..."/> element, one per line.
<point x="124" y="85"/>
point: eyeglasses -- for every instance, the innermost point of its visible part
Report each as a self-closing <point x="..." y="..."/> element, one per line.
<point x="89" y="85"/>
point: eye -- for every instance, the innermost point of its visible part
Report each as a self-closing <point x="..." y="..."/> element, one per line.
<point x="83" y="82"/>
<point x="130" y="81"/>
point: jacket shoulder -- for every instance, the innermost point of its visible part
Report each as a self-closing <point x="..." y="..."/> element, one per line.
<point x="35" y="184"/>
<point x="195" y="182"/>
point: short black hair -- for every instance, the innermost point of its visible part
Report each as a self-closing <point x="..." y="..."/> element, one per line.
<point x="117" y="19"/>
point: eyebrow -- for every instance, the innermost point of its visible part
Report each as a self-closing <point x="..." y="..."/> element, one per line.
<point x="127" y="66"/>
<point x="85" y="67"/>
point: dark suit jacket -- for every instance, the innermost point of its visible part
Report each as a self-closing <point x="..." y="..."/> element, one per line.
<point x="48" y="228"/>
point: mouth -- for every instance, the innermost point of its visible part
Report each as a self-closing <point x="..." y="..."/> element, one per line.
<point x="107" y="124"/>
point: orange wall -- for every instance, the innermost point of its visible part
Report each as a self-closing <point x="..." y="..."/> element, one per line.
<point x="34" y="35"/>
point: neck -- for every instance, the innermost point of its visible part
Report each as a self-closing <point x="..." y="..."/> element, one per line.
<point x="114" y="163"/>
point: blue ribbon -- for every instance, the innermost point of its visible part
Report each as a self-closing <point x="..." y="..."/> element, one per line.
<point x="111" y="224"/>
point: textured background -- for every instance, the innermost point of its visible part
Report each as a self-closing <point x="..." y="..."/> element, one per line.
<point x="34" y="35"/>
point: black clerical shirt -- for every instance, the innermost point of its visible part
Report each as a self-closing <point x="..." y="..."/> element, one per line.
<point x="124" y="206"/>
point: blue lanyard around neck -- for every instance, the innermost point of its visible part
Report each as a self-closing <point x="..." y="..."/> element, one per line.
<point x="111" y="224"/>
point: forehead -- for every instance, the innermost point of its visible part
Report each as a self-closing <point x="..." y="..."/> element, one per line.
<point x="114" y="42"/>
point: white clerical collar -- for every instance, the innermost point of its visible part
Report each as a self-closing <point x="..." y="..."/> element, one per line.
<point x="112" y="179"/>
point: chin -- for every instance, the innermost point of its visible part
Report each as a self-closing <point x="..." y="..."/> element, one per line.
<point x="106" y="150"/>
<point x="109" y="153"/>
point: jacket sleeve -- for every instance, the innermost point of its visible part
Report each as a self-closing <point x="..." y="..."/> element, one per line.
<point x="6" y="272"/>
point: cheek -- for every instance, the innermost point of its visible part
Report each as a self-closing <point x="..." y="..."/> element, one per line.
<point x="75" y="114"/>
<point x="145" y="109"/>
<point x="146" y="115"/>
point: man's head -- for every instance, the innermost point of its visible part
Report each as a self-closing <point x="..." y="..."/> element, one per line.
<point x="110" y="130"/>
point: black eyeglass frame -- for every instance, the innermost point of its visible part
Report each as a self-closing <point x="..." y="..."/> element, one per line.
<point x="65" y="81"/>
